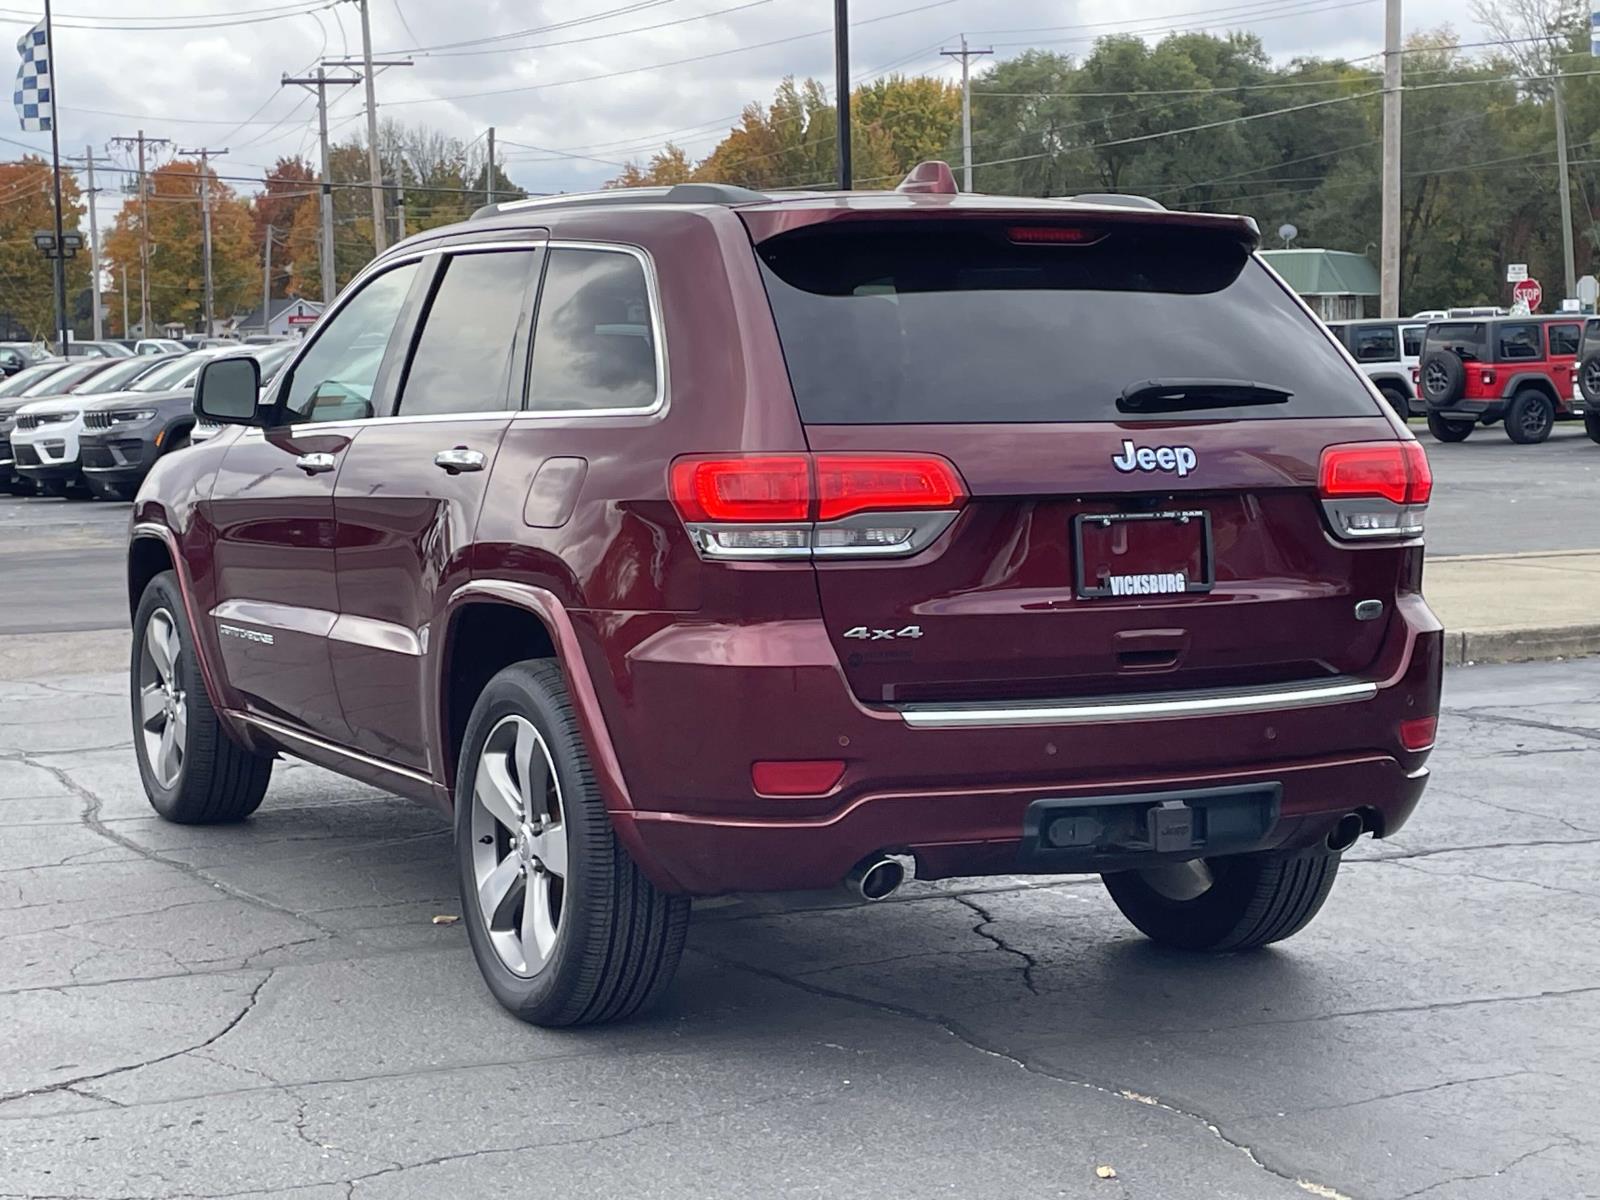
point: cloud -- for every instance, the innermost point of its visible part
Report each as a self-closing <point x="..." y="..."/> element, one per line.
<point x="221" y="87"/>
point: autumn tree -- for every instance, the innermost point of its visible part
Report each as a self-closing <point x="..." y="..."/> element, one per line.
<point x="667" y="166"/>
<point x="289" y="187"/>
<point x="177" y="260"/>
<point x="27" y="278"/>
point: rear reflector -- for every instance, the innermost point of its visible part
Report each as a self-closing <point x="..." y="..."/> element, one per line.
<point x="1418" y="732"/>
<point x="806" y="778"/>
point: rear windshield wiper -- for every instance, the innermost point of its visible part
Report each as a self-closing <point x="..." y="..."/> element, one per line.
<point x="1183" y="395"/>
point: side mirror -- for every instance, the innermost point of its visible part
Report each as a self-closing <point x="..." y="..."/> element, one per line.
<point x="228" y="391"/>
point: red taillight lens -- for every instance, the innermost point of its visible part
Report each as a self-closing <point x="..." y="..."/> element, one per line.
<point x="775" y="487"/>
<point x="850" y="483"/>
<point x="1418" y="733"/>
<point x="1487" y="377"/>
<point x="1395" y="471"/>
<point x="806" y="778"/>
<point x="1059" y="235"/>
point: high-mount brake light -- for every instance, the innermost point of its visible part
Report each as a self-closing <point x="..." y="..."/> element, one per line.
<point x="1373" y="490"/>
<point x="791" y="506"/>
<point x="1054" y="235"/>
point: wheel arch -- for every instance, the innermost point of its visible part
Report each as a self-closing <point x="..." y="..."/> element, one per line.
<point x="1531" y="379"/>
<point x="1392" y="379"/>
<point x="152" y="549"/>
<point x="549" y="634"/>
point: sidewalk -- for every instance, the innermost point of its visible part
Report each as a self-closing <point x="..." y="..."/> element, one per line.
<point x="1516" y="607"/>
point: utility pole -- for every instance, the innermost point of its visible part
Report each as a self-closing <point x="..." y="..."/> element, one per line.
<point x="841" y="93"/>
<point x="125" y="332"/>
<point x="1566" y="182"/>
<point x="320" y="82"/>
<point x="366" y="64"/>
<point x="488" y="178"/>
<point x="400" y="209"/>
<point x="144" y="224"/>
<point x="62" y="326"/>
<point x="965" y="55"/>
<point x="94" y="243"/>
<point x="1389" y="237"/>
<point x="266" y="285"/>
<point x="209" y="301"/>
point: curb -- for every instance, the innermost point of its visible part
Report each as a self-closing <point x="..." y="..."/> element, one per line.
<point x="1465" y="647"/>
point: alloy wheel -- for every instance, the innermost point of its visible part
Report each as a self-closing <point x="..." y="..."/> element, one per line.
<point x="1435" y="379"/>
<point x="1535" y="419"/>
<point x="519" y="845"/>
<point x="163" y="707"/>
<point x="1591" y="376"/>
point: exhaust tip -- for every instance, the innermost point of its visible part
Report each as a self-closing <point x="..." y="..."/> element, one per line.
<point x="1345" y="833"/>
<point x="879" y="876"/>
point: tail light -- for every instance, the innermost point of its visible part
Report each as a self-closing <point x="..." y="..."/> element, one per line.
<point x="814" y="505"/>
<point x="1054" y="235"/>
<point x="1375" y="490"/>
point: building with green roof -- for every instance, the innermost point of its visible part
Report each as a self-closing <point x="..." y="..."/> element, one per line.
<point x="1335" y="283"/>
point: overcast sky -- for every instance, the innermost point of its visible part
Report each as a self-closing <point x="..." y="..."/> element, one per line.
<point x="160" y="70"/>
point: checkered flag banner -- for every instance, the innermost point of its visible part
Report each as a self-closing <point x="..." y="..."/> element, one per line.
<point x="34" y="95"/>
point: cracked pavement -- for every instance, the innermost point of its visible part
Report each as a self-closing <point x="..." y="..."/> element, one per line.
<point x="268" y="1009"/>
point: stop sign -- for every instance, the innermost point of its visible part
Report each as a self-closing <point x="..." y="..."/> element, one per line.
<point x="1528" y="291"/>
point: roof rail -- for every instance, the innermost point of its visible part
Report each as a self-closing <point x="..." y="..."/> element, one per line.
<point x="1119" y="200"/>
<point x="679" y="193"/>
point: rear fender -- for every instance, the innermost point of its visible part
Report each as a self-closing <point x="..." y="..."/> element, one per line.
<point x="549" y="609"/>
<point x="1533" y="379"/>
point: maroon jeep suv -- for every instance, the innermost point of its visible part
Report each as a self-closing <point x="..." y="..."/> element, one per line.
<point x="694" y="540"/>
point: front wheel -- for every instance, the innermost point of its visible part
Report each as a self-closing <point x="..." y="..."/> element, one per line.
<point x="1530" y="418"/>
<point x="1591" y="425"/>
<point x="565" y="927"/>
<point x="194" y="773"/>
<point x="1221" y="904"/>
<point x="1448" y="431"/>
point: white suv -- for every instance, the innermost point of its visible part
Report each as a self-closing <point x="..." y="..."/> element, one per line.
<point x="1387" y="351"/>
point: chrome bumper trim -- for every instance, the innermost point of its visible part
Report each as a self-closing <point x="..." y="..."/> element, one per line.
<point x="1149" y="707"/>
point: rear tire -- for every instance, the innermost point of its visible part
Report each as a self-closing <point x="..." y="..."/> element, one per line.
<point x="1237" y="903"/>
<point x="193" y="772"/>
<point x="1530" y="418"/>
<point x="1448" y="431"/>
<point x="1591" y="425"/>
<point x="1397" y="401"/>
<point x="600" y="942"/>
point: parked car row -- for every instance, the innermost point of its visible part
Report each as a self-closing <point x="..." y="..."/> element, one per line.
<point x="99" y="425"/>
<point x="1527" y="372"/>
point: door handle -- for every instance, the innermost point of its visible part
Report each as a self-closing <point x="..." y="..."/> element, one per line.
<point x="460" y="459"/>
<point x="315" y="464"/>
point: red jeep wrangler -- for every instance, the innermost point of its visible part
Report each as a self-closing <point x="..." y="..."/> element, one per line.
<point x="1516" y="368"/>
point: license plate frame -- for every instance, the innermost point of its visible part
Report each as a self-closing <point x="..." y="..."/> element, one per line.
<point x="1193" y="586"/>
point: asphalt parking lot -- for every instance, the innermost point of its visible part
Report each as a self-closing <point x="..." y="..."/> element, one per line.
<point x="272" y="1010"/>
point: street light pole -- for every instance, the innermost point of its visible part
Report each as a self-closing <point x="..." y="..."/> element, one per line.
<point x="1389" y="237"/>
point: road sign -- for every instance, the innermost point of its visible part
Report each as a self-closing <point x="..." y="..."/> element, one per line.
<point x="1589" y="290"/>
<point x="1516" y="272"/>
<point x="1528" y="292"/>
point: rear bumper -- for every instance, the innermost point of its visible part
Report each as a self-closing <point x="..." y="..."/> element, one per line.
<point x="1467" y="409"/>
<point x="689" y="709"/>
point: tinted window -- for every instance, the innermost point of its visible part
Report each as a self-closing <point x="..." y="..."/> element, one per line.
<point x="272" y="361"/>
<point x="1518" y="341"/>
<point x="335" y="379"/>
<point x="26" y="378"/>
<point x="117" y="378"/>
<point x="1564" y="339"/>
<point x="462" y="362"/>
<point x="1591" y="334"/>
<point x="169" y="376"/>
<point x="1411" y="340"/>
<point x="67" y="378"/>
<point x="594" y="341"/>
<point x="1375" y="343"/>
<point x="1468" y="339"/>
<point x="945" y="324"/>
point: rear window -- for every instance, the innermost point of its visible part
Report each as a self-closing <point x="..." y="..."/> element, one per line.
<point x="1591" y="336"/>
<point x="944" y="325"/>
<point x="1468" y="339"/>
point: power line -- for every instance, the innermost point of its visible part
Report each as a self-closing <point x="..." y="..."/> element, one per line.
<point x="110" y="24"/>
<point x="593" y="37"/>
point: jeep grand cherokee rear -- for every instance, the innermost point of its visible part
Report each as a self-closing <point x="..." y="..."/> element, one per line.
<point x="844" y="538"/>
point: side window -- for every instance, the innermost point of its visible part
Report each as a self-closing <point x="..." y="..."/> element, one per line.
<point x="462" y="361"/>
<point x="1411" y="338"/>
<point x="334" y="381"/>
<point x="1564" y="339"/>
<point x="1518" y="342"/>
<point x="1375" y="343"/>
<point x="594" y="342"/>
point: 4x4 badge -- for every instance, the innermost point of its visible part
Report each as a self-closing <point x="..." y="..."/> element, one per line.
<point x="1181" y="459"/>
